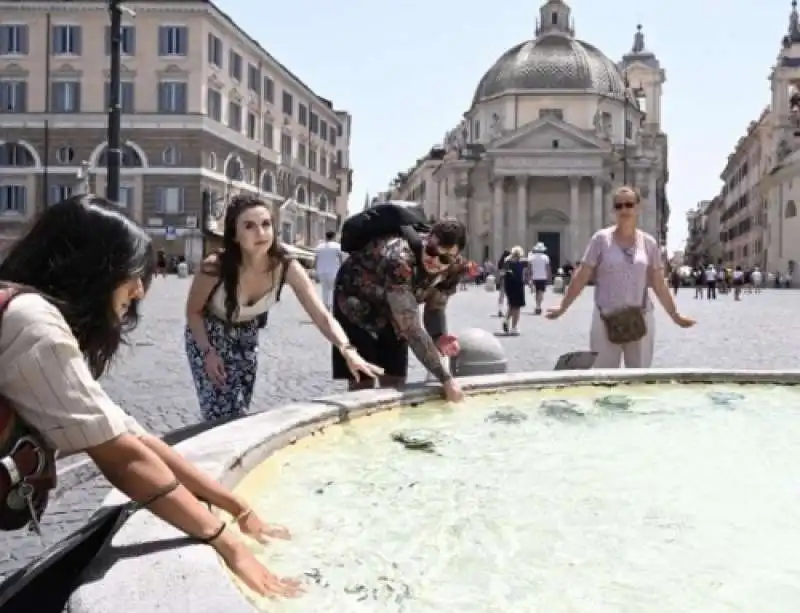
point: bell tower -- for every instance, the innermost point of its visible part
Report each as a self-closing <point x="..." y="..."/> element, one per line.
<point x="785" y="78"/>
<point x="643" y="72"/>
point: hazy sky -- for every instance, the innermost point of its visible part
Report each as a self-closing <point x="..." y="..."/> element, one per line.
<point x="407" y="70"/>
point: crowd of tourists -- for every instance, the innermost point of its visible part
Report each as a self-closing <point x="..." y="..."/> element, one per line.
<point x="72" y="289"/>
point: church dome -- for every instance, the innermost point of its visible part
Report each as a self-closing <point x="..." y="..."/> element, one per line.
<point x="555" y="59"/>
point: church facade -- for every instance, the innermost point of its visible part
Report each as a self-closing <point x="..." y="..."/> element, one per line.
<point x="554" y="127"/>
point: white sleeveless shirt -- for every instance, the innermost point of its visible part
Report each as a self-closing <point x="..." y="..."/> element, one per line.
<point x="216" y="305"/>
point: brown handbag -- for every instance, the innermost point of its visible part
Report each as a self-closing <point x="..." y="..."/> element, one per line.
<point x="626" y="325"/>
<point x="27" y="463"/>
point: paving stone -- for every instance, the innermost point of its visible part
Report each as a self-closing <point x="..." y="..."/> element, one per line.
<point x="151" y="378"/>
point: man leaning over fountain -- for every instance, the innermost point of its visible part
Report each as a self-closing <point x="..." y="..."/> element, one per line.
<point x="376" y="300"/>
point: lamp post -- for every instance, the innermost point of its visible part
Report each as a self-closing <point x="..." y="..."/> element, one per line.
<point x="113" y="151"/>
<point x="625" y="121"/>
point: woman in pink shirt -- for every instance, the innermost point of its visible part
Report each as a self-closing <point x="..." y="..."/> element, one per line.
<point x="624" y="261"/>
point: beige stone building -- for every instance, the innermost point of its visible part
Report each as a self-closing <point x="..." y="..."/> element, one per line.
<point x="553" y="128"/>
<point x="205" y="107"/>
<point x="742" y="207"/>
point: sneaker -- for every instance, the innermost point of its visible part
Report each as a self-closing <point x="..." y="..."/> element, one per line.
<point x="514" y="332"/>
<point x="537" y="311"/>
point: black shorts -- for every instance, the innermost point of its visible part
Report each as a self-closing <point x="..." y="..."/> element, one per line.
<point x="540" y="285"/>
<point x="386" y="350"/>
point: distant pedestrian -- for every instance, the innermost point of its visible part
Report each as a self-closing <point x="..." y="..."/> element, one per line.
<point x="328" y="259"/>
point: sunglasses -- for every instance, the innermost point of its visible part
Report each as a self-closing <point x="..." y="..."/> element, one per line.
<point x="432" y="250"/>
<point x="628" y="204"/>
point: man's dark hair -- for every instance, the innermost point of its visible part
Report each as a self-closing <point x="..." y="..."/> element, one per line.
<point x="329" y="236"/>
<point x="450" y="233"/>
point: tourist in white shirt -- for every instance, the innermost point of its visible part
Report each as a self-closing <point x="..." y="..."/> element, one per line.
<point x="329" y="258"/>
<point x="711" y="282"/>
<point x="539" y="263"/>
<point x="757" y="278"/>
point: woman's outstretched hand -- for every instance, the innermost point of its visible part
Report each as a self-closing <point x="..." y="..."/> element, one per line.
<point x="359" y="367"/>
<point x="555" y="312"/>
<point x="683" y="322"/>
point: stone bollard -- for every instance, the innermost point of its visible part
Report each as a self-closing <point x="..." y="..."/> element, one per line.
<point x="481" y="354"/>
<point x="183" y="270"/>
<point x="491" y="284"/>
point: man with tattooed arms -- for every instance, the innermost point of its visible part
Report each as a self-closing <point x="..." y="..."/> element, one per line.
<point x="376" y="300"/>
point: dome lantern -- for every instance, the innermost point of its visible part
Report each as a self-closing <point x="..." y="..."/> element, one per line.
<point x="554" y="18"/>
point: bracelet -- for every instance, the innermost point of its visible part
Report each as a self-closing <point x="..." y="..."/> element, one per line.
<point x="164" y="491"/>
<point x="241" y="516"/>
<point x="210" y="539"/>
<point x="346" y="347"/>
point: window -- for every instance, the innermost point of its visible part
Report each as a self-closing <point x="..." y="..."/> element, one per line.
<point x="339" y="158"/>
<point x="339" y="130"/>
<point x="127" y="40"/>
<point x="791" y="209"/>
<point x="59" y="193"/>
<point x="312" y="160"/>
<point x="301" y="195"/>
<point x="267" y="185"/>
<point x="14" y="40"/>
<point x="172" y="97"/>
<point x="269" y="136"/>
<point x="13" y="199"/>
<point x="252" y="126"/>
<point x="171" y="156"/>
<point x="302" y="155"/>
<point x="125" y="96"/>
<point x="126" y="196"/>
<point x="173" y="41"/>
<point x="323" y="130"/>
<point x="286" y="146"/>
<point x="214" y="104"/>
<point x="323" y="165"/>
<point x="66" y="40"/>
<point x="214" y="51"/>
<point x="65" y="155"/>
<point x="302" y="114"/>
<point x="628" y="128"/>
<point x="66" y="97"/>
<point x="288" y="104"/>
<point x="313" y="123"/>
<point x="554" y="18"/>
<point x="15" y="155"/>
<point x="169" y="200"/>
<point x="332" y="139"/>
<point x="235" y="116"/>
<point x="235" y="65"/>
<point x="269" y="90"/>
<point x="557" y="113"/>
<point x="253" y="78"/>
<point x="13" y="96"/>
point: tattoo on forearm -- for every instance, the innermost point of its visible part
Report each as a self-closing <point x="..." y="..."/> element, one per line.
<point x="434" y="314"/>
<point x="407" y="324"/>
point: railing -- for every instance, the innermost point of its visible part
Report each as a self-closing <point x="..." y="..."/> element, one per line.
<point x="46" y="583"/>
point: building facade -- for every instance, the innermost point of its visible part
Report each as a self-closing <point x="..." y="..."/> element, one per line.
<point x="553" y="128"/>
<point x="205" y="108"/>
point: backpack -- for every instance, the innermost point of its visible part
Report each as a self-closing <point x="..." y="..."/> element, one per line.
<point x="394" y="218"/>
<point x="23" y="498"/>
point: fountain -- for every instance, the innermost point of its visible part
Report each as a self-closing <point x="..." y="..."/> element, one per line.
<point x="656" y="490"/>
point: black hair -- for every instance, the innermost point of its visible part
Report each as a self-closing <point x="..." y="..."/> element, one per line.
<point x="450" y="233"/>
<point x="230" y="256"/>
<point x="503" y="257"/>
<point x="76" y="254"/>
<point x="330" y="235"/>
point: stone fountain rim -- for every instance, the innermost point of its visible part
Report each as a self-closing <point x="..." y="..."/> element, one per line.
<point x="149" y="579"/>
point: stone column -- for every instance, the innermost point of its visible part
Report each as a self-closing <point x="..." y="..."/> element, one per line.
<point x="574" y="219"/>
<point x="521" y="218"/>
<point x="597" y="205"/>
<point x="497" y="219"/>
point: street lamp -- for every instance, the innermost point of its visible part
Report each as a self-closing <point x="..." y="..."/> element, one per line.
<point x="113" y="150"/>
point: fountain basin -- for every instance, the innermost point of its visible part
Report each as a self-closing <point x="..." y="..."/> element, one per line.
<point x="150" y="569"/>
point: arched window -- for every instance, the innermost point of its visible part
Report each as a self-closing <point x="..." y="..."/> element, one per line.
<point x="130" y="158"/>
<point x="16" y="155"/>
<point x="301" y="195"/>
<point x="323" y="203"/>
<point x="267" y="183"/>
<point x="791" y="209"/>
<point x="234" y="170"/>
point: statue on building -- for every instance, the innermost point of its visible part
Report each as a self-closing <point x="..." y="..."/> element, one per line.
<point x="82" y="177"/>
<point x="496" y="127"/>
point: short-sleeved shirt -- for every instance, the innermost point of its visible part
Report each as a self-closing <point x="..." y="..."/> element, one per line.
<point x="621" y="274"/>
<point x="48" y="382"/>
<point x="386" y="265"/>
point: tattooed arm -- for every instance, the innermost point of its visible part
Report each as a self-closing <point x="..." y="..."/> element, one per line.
<point x="405" y="313"/>
<point x="407" y="325"/>
<point x="434" y="314"/>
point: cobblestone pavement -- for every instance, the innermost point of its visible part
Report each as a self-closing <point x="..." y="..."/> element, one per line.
<point x="151" y="379"/>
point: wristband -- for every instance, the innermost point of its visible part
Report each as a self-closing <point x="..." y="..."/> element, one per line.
<point x="210" y="539"/>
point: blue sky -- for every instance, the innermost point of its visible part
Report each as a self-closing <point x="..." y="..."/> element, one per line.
<point x="407" y="70"/>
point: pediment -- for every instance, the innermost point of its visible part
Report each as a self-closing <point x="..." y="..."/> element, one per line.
<point x="14" y="70"/>
<point x="67" y="70"/>
<point x="173" y="70"/>
<point x="543" y="133"/>
<point x="125" y="72"/>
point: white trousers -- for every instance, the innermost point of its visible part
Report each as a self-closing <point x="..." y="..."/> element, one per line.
<point x="326" y="283"/>
<point x="609" y="355"/>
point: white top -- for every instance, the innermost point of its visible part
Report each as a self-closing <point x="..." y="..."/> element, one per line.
<point x="711" y="274"/>
<point x="329" y="258"/>
<point x="540" y="262"/>
<point x="216" y="304"/>
<point x="738" y="275"/>
<point x="45" y="377"/>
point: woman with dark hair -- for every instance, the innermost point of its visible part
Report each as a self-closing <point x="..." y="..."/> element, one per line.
<point x="228" y="304"/>
<point x="501" y="286"/>
<point x="81" y="271"/>
<point x="514" y="284"/>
